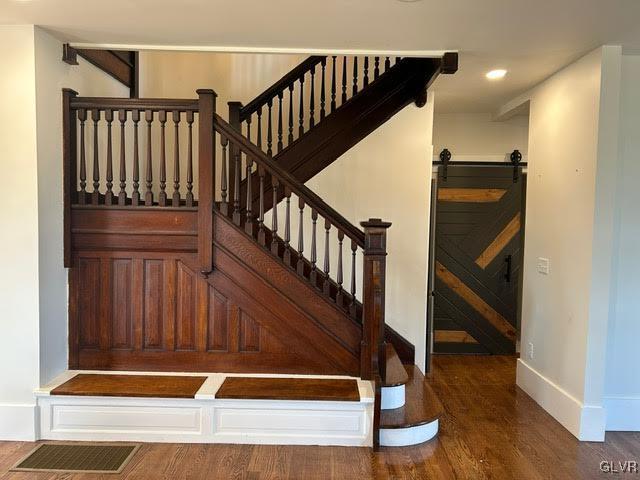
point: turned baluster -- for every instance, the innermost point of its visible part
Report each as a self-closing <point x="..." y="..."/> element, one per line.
<point x="122" y="195"/>
<point x="108" y="195"/>
<point x="280" y="145"/>
<point x="387" y="64"/>
<point x="175" y="199"/>
<point x="82" y="197"/>
<point x="189" y="198"/>
<point x="248" y="122"/>
<point x="326" y="286"/>
<point x="333" y="83"/>
<point x="162" y="198"/>
<point x="344" y="79"/>
<point x="95" y="195"/>
<point x="261" y="233"/>
<point x="290" y="138"/>
<point x="322" y="89"/>
<point x="397" y="59"/>
<point x="314" y="255"/>
<point x="312" y="102"/>
<point x="355" y="75"/>
<point x="301" y="113"/>
<point x="300" y="264"/>
<point x="135" y="195"/>
<point x="248" y="224"/>
<point x="259" y="131"/>
<point x="365" y="77"/>
<point x="269" y="130"/>
<point x="148" y="196"/>
<point x="236" y="184"/>
<point x="287" y="226"/>
<point x="352" y="304"/>
<point x="224" y="205"/>
<point x="274" y="215"/>
<point x="340" y="276"/>
<point x="376" y="67"/>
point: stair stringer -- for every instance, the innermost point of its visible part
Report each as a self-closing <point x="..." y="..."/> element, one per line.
<point x="284" y="304"/>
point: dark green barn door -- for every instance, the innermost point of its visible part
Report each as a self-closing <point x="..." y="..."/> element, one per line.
<point x="478" y="258"/>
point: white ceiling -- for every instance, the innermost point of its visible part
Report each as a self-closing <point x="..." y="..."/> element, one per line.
<point x="530" y="38"/>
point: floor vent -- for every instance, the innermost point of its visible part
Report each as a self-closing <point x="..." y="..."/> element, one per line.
<point x="76" y="457"/>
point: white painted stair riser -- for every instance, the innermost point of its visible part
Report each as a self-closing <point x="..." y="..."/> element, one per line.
<point x="392" y="397"/>
<point x="402" y="437"/>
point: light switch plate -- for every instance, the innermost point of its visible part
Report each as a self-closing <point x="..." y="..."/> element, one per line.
<point x="543" y="265"/>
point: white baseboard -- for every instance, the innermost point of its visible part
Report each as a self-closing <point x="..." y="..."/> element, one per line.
<point x="586" y="422"/>
<point x="623" y="413"/>
<point x="18" y="422"/>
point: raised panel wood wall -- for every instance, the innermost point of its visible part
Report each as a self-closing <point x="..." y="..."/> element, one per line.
<point x="146" y="309"/>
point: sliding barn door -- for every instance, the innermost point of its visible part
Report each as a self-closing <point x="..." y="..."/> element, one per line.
<point x="478" y="258"/>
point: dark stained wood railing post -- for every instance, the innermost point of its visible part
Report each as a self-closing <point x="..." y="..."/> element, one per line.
<point x="373" y="300"/>
<point x="69" y="152"/>
<point x="234" y="120"/>
<point x="206" y="173"/>
<point x="373" y="347"/>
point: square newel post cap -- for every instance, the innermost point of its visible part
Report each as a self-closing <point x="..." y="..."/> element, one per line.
<point x="375" y="223"/>
<point x="375" y="236"/>
<point x="69" y="91"/>
<point x="206" y="91"/>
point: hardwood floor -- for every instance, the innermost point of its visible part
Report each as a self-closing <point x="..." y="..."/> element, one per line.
<point x="491" y="429"/>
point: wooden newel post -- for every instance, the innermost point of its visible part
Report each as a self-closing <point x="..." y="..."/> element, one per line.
<point x="206" y="176"/>
<point x="69" y="168"/>
<point x="373" y="347"/>
<point x="234" y="121"/>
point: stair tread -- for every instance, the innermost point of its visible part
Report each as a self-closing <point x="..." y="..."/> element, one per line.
<point x="265" y="388"/>
<point x="108" y="385"/>
<point x="422" y="405"/>
<point x="396" y="373"/>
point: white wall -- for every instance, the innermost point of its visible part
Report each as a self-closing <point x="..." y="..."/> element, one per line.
<point x="234" y="77"/>
<point x="572" y="153"/>
<point x="19" y="241"/>
<point x="388" y="175"/>
<point x="33" y="292"/>
<point x="622" y="388"/>
<point x="477" y="136"/>
<point x="52" y="75"/>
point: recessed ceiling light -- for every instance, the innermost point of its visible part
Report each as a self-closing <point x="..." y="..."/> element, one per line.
<point x="496" y="74"/>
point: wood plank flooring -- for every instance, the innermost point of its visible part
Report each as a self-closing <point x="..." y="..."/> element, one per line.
<point x="490" y="429"/>
<point x="158" y="386"/>
<point x="262" y="388"/>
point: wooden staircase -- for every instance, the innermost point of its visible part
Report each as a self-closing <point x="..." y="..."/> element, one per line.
<point x="240" y="268"/>
<point x="352" y="105"/>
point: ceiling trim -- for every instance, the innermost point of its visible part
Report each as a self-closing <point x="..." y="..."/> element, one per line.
<point x="271" y="50"/>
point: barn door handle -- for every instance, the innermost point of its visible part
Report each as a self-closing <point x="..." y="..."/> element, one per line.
<point x="507" y="276"/>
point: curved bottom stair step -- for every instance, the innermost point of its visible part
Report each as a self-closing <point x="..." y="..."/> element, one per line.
<point x="393" y="391"/>
<point x="417" y="420"/>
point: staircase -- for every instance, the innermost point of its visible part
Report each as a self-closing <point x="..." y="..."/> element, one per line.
<point x="306" y="132"/>
<point x="208" y="253"/>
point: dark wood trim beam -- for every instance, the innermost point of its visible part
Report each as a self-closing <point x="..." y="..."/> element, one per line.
<point x="121" y="65"/>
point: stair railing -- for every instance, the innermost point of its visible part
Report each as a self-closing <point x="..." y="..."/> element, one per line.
<point x="287" y="109"/>
<point x="238" y="154"/>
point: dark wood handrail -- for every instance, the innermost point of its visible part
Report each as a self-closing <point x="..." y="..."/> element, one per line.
<point x="278" y="87"/>
<point x="154" y="104"/>
<point x="299" y="189"/>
